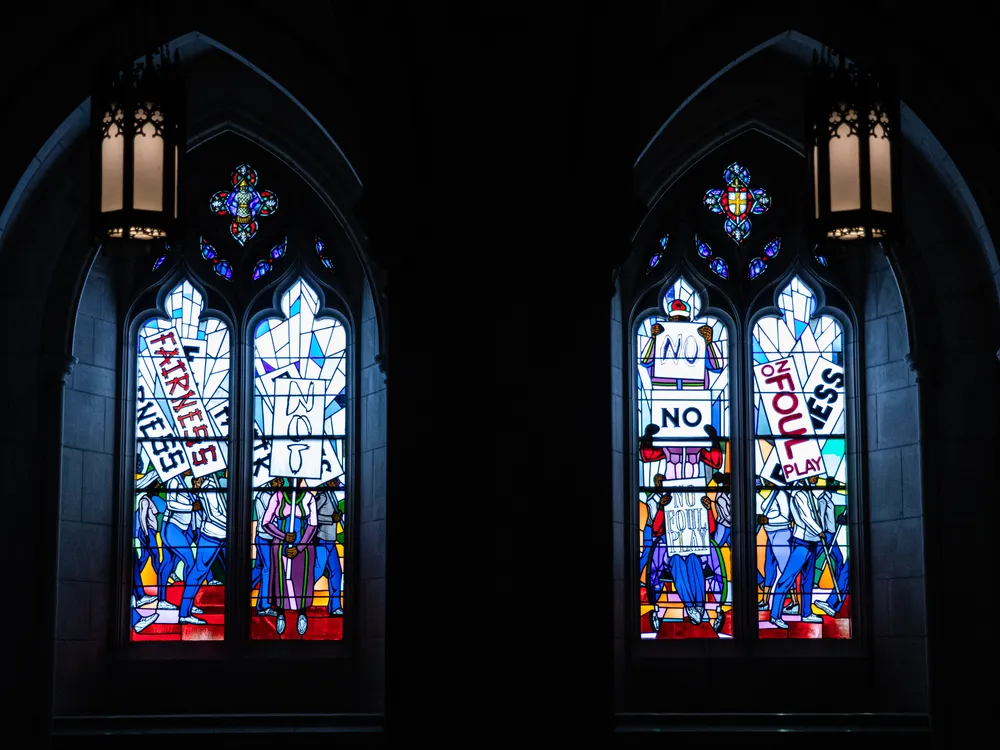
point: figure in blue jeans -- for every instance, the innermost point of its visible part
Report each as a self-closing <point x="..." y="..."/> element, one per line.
<point x="812" y="515"/>
<point x="262" y="563"/>
<point x="210" y="541"/>
<point x="327" y="558"/>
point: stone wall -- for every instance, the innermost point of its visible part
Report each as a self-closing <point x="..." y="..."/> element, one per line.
<point x="369" y="581"/>
<point x="895" y="504"/>
<point x="86" y="511"/>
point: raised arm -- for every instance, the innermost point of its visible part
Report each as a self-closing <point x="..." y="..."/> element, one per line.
<point x="648" y="353"/>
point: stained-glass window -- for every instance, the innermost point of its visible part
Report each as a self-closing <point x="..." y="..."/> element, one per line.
<point x="655" y="258"/>
<point x="264" y="266"/>
<point x="736" y="201"/>
<point x="800" y="458"/>
<point x="300" y="425"/>
<point x="716" y="264"/>
<point x="324" y="256"/>
<point x="221" y="266"/>
<point x="719" y="267"/>
<point x="759" y="265"/>
<point x="684" y="503"/>
<point x="244" y="203"/>
<point x="180" y="497"/>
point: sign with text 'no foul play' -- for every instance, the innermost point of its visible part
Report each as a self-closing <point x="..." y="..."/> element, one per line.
<point x="299" y="404"/>
<point x="783" y="401"/>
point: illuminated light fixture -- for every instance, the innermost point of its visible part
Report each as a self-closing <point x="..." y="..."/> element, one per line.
<point x="852" y="122"/>
<point x="137" y="132"/>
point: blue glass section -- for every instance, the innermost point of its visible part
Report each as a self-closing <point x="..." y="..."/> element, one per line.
<point x="315" y="352"/>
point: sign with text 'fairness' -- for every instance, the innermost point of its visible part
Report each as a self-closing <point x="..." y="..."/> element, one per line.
<point x="783" y="402"/>
<point x="679" y="352"/>
<point x="159" y="446"/>
<point x="192" y="422"/>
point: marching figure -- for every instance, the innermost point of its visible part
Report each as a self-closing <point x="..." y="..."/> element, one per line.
<point x="327" y="556"/>
<point x="291" y="518"/>
<point x="211" y="540"/>
<point x="813" y="517"/>
<point x="262" y="561"/>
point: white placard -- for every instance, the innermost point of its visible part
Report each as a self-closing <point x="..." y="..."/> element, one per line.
<point x="787" y="414"/>
<point x="299" y="404"/>
<point x="685" y="525"/>
<point x="681" y="414"/>
<point x="679" y="352"/>
<point x="824" y="394"/>
<point x="165" y="452"/>
<point x="261" y="458"/>
<point x="191" y="418"/>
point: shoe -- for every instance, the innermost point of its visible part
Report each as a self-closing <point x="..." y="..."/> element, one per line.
<point x="827" y="609"/>
<point x="302" y="624"/>
<point x="266" y="612"/>
<point x="812" y="618"/>
<point x="145" y="600"/>
<point x="763" y="605"/>
<point x="654" y="619"/>
<point x="213" y="582"/>
<point x="197" y="611"/>
<point x="720" y="621"/>
<point x="166" y="605"/>
<point x="779" y="623"/>
<point x="191" y="620"/>
<point x="791" y="609"/>
<point x="145" y="621"/>
<point x="694" y="614"/>
<point x="280" y="624"/>
<point x="338" y="612"/>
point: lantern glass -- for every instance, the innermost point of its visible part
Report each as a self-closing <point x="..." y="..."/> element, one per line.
<point x="816" y="178"/>
<point x="113" y="162"/>
<point x="148" y="160"/>
<point x="845" y="165"/>
<point x="880" y="156"/>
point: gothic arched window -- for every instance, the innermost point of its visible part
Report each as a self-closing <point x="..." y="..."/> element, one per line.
<point x="240" y="490"/>
<point x="742" y="417"/>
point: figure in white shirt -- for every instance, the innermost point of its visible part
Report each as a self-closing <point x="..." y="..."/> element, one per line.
<point x="813" y="517"/>
<point x="775" y="516"/>
<point x="211" y="539"/>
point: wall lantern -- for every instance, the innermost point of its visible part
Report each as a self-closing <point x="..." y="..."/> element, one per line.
<point x="852" y="122"/>
<point x="137" y="130"/>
